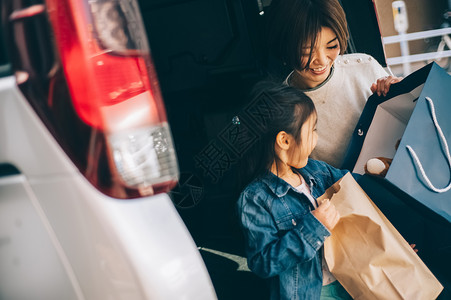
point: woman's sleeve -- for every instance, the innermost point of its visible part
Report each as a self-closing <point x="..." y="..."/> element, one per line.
<point x="274" y="248"/>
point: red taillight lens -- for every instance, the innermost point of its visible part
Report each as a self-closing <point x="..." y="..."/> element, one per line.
<point x="105" y="61"/>
<point x="112" y="83"/>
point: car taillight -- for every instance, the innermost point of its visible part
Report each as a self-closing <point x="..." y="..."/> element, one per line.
<point x="105" y="60"/>
<point x="112" y="82"/>
<point x="103" y="69"/>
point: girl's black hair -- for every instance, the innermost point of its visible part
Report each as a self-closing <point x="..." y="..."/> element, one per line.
<point x="294" y="25"/>
<point x="274" y="107"/>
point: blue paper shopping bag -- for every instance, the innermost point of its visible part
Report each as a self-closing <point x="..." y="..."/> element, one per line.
<point x="412" y="125"/>
<point x="422" y="164"/>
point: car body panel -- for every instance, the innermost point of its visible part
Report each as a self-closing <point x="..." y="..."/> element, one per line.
<point x="88" y="245"/>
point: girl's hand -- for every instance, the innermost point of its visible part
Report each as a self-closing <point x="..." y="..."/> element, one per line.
<point x="327" y="214"/>
<point x="413" y="247"/>
<point x="383" y="84"/>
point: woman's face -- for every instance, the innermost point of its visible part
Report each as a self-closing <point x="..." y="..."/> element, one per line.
<point x="327" y="49"/>
<point x="298" y="154"/>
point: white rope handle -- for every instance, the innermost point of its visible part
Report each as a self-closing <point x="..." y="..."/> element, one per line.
<point x="443" y="144"/>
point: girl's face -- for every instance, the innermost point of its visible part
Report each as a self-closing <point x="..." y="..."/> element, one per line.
<point x="298" y="154"/>
<point x="327" y="49"/>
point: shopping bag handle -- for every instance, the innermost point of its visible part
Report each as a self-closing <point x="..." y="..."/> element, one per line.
<point x="443" y="144"/>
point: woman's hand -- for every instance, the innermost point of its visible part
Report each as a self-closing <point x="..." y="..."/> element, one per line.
<point x="327" y="214"/>
<point x="383" y="84"/>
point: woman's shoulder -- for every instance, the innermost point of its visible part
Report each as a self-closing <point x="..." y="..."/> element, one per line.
<point x="356" y="58"/>
<point x="359" y="64"/>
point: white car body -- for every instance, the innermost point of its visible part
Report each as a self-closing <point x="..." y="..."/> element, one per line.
<point x="60" y="238"/>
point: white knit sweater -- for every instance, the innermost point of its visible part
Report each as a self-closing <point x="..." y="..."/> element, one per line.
<point x="339" y="102"/>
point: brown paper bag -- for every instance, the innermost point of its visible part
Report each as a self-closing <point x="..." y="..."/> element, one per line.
<point x="366" y="253"/>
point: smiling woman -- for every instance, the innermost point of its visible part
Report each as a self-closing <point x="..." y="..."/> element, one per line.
<point x="310" y="37"/>
<point x="317" y="63"/>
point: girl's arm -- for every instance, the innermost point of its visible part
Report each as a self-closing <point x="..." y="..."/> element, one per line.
<point x="274" y="248"/>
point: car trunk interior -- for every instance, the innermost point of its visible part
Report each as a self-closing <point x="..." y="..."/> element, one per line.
<point x="208" y="54"/>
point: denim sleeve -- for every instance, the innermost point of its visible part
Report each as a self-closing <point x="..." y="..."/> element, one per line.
<point x="334" y="174"/>
<point x="271" y="247"/>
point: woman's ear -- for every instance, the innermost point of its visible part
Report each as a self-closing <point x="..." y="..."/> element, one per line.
<point x="283" y="140"/>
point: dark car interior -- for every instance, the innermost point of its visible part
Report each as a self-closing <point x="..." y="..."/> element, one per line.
<point x="208" y="55"/>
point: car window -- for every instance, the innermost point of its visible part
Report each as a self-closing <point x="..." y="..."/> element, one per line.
<point x="415" y="33"/>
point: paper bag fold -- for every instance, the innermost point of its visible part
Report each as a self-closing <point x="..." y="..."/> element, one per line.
<point x="367" y="254"/>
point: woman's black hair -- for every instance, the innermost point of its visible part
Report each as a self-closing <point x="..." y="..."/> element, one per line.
<point x="294" y="25"/>
<point x="274" y="107"/>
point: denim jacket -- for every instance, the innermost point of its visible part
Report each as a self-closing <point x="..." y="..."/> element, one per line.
<point x="283" y="238"/>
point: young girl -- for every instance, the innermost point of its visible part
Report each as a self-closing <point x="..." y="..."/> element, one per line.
<point x="284" y="226"/>
<point x="310" y="37"/>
